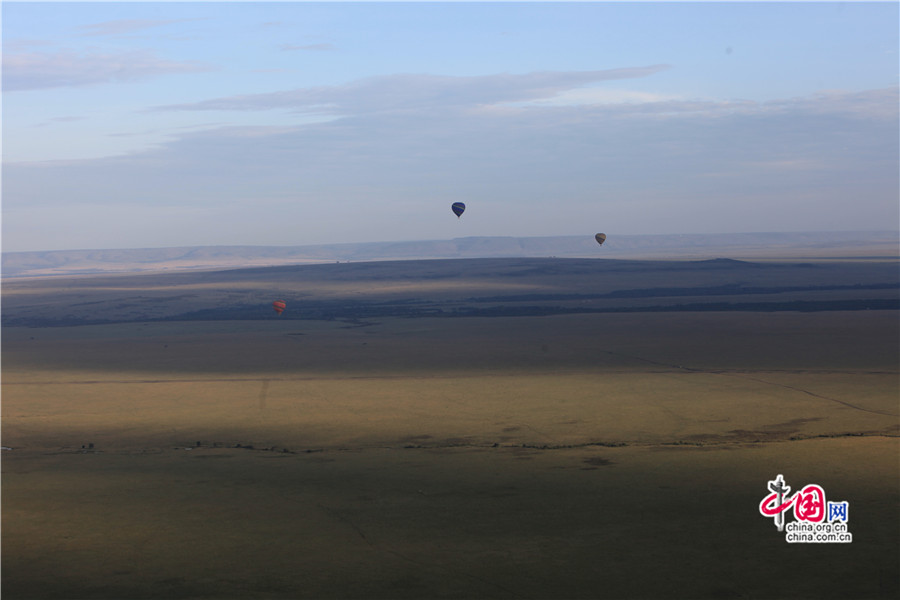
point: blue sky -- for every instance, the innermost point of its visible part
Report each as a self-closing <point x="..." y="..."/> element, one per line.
<point x="129" y="124"/>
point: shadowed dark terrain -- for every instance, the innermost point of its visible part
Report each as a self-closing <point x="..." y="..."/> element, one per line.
<point x="452" y="288"/>
<point x="487" y="428"/>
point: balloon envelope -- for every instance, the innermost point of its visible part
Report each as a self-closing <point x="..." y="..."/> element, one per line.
<point x="279" y="306"/>
<point x="458" y="209"/>
<point x="600" y="237"/>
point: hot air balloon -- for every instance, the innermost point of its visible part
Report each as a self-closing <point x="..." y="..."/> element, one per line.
<point x="458" y="209"/>
<point x="279" y="306"/>
<point x="600" y="237"/>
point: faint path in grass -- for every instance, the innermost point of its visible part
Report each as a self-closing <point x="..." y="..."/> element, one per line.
<point x="335" y="514"/>
<point x="813" y="394"/>
<point x="262" y="394"/>
<point x="743" y="374"/>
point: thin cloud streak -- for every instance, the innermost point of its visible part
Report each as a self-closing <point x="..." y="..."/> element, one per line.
<point x="35" y="71"/>
<point x="410" y="91"/>
<point x="312" y="47"/>
<point x="123" y="26"/>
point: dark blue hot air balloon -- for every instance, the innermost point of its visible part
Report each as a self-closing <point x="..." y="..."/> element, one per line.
<point x="458" y="209"/>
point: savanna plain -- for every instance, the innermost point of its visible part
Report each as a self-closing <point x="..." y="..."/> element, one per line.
<point x="478" y="428"/>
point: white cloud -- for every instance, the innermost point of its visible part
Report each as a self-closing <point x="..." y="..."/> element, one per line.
<point x="599" y="95"/>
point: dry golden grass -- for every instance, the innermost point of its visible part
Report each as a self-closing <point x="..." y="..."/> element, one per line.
<point x="570" y="456"/>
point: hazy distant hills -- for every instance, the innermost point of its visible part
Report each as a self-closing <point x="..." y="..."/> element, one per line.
<point x="743" y="245"/>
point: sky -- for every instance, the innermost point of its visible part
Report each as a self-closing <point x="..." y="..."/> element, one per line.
<point x="160" y="124"/>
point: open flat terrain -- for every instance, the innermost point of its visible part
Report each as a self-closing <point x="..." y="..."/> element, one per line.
<point x="473" y="428"/>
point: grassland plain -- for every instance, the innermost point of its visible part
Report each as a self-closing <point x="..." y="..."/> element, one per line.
<point x="441" y="455"/>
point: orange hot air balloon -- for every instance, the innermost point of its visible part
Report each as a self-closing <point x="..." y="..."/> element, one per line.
<point x="279" y="306"/>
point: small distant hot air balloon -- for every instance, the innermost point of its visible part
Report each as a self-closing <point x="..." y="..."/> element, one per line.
<point x="279" y="306"/>
<point x="600" y="237"/>
<point x="458" y="209"/>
